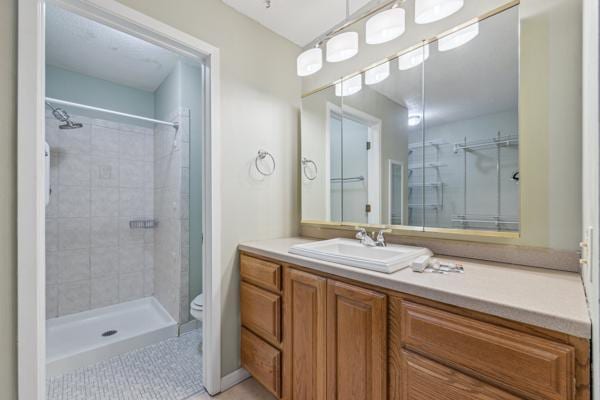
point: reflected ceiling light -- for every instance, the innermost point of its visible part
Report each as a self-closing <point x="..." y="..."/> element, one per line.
<point x="377" y="74"/>
<point x="458" y="38"/>
<point x="414" y="120"/>
<point x="349" y="86"/>
<point x="413" y="58"/>
<point x="427" y="11"/>
<point x="342" y="47"/>
<point x="309" y="62"/>
<point x="385" y="26"/>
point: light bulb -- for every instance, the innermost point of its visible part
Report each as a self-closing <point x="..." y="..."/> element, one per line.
<point x="342" y="47"/>
<point x="349" y="87"/>
<point x="458" y="38"/>
<point x="377" y="74"/>
<point x="427" y="11"/>
<point x="413" y="58"/>
<point x="309" y="62"/>
<point x="385" y="26"/>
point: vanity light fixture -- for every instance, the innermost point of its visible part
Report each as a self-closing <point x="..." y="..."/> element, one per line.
<point x="377" y="74"/>
<point x="385" y="26"/>
<point x="413" y="58"/>
<point x="342" y="47"/>
<point x="458" y="38"/>
<point x="427" y="11"/>
<point x="309" y="61"/>
<point x="349" y="87"/>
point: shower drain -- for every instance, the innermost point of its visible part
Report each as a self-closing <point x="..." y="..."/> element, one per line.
<point x="109" y="333"/>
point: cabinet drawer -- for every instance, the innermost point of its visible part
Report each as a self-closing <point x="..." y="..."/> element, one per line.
<point x="426" y="379"/>
<point x="536" y="367"/>
<point x="262" y="361"/>
<point x="260" y="272"/>
<point x="261" y="312"/>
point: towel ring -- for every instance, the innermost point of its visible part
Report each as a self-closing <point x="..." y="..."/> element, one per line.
<point x="262" y="154"/>
<point x="305" y="162"/>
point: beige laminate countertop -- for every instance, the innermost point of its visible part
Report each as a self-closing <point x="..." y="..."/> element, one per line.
<point x="549" y="299"/>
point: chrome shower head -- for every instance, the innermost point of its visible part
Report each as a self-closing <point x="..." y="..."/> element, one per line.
<point x="63" y="116"/>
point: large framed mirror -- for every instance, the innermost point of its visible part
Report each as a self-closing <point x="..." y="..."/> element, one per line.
<point x="425" y="140"/>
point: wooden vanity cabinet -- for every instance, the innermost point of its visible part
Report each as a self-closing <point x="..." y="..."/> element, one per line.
<point x="308" y="335"/>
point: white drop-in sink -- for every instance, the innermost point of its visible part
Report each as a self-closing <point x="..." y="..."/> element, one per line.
<point x="387" y="259"/>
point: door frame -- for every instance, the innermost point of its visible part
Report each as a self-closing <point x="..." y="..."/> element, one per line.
<point x="31" y="308"/>
<point x="590" y="247"/>
<point x="391" y="164"/>
<point x="374" y="125"/>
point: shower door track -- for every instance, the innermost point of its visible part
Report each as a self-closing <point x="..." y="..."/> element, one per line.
<point x="107" y="111"/>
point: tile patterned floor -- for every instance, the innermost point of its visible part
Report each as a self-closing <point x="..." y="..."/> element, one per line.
<point x="168" y="370"/>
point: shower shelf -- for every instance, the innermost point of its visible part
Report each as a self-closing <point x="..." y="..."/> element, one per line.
<point x="430" y="184"/>
<point x="501" y="141"/>
<point x="426" y="165"/>
<point x="429" y="143"/>
<point x="432" y="206"/>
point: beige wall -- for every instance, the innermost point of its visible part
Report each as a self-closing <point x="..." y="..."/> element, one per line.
<point x="550" y="112"/>
<point x="8" y="199"/>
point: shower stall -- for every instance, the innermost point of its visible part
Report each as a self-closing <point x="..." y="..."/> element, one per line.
<point x="119" y="271"/>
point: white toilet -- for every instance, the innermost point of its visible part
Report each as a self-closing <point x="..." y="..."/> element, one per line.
<point x="197" y="307"/>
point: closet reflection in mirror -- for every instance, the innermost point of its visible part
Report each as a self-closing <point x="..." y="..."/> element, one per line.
<point x="425" y="139"/>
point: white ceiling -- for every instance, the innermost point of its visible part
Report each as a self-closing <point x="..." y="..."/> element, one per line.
<point x="475" y="79"/>
<point x="81" y="45"/>
<point x="300" y="21"/>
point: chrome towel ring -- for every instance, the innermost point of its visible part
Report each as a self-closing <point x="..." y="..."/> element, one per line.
<point x="305" y="163"/>
<point x="262" y="154"/>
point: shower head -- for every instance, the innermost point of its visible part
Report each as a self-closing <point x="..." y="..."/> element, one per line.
<point x="64" y="116"/>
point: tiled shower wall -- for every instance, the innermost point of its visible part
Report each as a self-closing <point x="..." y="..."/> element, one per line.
<point x="102" y="176"/>
<point x="171" y="207"/>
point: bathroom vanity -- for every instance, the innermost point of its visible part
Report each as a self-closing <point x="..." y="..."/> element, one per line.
<point x="319" y="330"/>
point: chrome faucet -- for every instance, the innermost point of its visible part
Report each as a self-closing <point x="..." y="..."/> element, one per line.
<point x="380" y="242"/>
<point x="364" y="238"/>
<point x="369" y="241"/>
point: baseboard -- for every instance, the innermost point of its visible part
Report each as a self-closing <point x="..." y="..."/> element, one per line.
<point x="188" y="326"/>
<point x="232" y="379"/>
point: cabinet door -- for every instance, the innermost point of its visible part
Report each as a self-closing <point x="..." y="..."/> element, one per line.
<point x="304" y="335"/>
<point x="423" y="379"/>
<point x="356" y="343"/>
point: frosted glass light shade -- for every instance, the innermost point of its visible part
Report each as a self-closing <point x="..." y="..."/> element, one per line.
<point x="309" y="62"/>
<point x="414" y="120"/>
<point x="377" y="74"/>
<point x="385" y="26"/>
<point x="349" y="87"/>
<point x="342" y="47"/>
<point x="427" y="11"/>
<point x="413" y="58"/>
<point x="458" y="38"/>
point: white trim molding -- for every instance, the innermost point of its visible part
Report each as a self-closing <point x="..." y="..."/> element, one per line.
<point x="31" y="208"/>
<point x="232" y="379"/>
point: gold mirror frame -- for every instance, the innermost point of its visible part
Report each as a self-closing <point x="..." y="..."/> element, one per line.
<point x="507" y="237"/>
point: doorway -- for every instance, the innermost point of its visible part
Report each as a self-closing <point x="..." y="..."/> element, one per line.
<point x="129" y="184"/>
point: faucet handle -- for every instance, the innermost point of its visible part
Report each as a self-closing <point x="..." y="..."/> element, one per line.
<point x="361" y="233"/>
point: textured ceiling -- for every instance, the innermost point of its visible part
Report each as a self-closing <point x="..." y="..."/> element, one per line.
<point x="81" y="45"/>
<point x="300" y="21"/>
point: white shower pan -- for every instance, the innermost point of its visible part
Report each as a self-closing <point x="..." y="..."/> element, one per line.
<point x="82" y="339"/>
